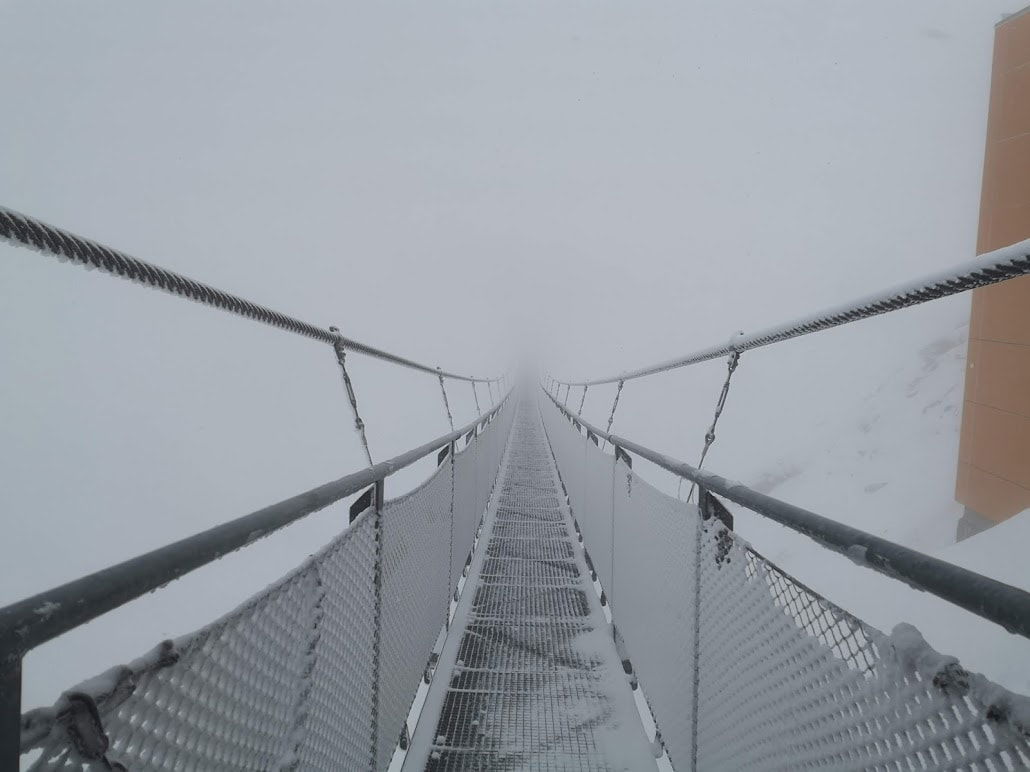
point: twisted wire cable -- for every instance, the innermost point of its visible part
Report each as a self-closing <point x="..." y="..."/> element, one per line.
<point x="731" y="366"/>
<point x="611" y="416"/>
<point x="446" y="404"/>
<point x="22" y="230"/>
<point x="359" y="425"/>
<point x="990" y="268"/>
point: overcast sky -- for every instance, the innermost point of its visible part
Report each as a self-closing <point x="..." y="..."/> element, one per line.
<point x="598" y="184"/>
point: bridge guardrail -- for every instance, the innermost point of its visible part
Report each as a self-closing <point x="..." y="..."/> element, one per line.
<point x="742" y="665"/>
<point x="28" y="623"/>
<point x="996" y="601"/>
<point x="94" y="719"/>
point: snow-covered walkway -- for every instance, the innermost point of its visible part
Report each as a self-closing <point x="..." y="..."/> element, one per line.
<point x="529" y="677"/>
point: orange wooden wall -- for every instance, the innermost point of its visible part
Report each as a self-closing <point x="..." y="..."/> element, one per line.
<point x="994" y="453"/>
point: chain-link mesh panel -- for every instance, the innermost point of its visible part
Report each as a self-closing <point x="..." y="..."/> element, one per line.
<point x="416" y="544"/>
<point x="493" y="456"/>
<point x="790" y="681"/>
<point x="339" y="720"/>
<point x="570" y="449"/>
<point x="490" y="447"/>
<point x="596" y="518"/>
<point x="466" y="514"/>
<point x="784" y="679"/>
<point x="482" y="471"/>
<point x="652" y="601"/>
<point x="289" y="679"/>
<point x="475" y="472"/>
<point x="242" y="692"/>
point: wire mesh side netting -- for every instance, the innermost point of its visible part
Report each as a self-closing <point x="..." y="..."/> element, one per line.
<point x="317" y="671"/>
<point x="744" y="667"/>
<point x="415" y="597"/>
<point x="238" y="694"/>
<point x="652" y="599"/>
<point x="466" y="515"/>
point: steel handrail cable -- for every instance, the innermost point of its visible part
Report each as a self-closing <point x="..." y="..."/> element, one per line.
<point x="990" y="268"/>
<point x="22" y="230"/>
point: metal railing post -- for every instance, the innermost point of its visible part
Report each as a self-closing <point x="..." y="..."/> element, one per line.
<point x="451" y="590"/>
<point x="308" y="663"/>
<point x="10" y="714"/>
<point x="696" y="700"/>
<point x="377" y="503"/>
<point x="611" y="525"/>
<point x="620" y="455"/>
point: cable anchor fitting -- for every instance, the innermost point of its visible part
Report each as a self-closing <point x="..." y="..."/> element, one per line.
<point x="341" y="360"/>
<point x="446" y="404"/>
<point x="731" y="366"/>
<point x="615" y="405"/>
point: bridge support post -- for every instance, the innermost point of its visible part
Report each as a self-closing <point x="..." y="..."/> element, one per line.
<point x="10" y="714"/>
<point x="696" y="697"/>
<point x="378" y="494"/>
<point x="452" y="592"/>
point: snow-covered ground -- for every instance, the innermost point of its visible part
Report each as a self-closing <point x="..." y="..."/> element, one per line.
<point x="875" y="458"/>
<point x="884" y="466"/>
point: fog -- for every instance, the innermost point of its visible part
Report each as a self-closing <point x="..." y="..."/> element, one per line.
<point x="595" y="186"/>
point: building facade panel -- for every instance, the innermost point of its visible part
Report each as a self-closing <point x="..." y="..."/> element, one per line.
<point x="993" y="478"/>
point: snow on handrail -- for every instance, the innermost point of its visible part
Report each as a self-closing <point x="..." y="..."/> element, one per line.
<point x="993" y="267"/>
<point x="22" y="230"/>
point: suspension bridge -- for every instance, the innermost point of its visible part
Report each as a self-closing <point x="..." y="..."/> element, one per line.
<point x="534" y="604"/>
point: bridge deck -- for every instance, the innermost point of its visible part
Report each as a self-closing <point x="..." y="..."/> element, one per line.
<point x="529" y="677"/>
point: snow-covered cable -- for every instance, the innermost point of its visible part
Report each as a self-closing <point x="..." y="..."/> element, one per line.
<point x="991" y="268"/>
<point x="446" y="404"/>
<point x="731" y="366"/>
<point x="615" y="405"/>
<point x="22" y="230"/>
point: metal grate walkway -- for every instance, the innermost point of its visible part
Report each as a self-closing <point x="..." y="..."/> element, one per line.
<point x="529" y="677"/>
